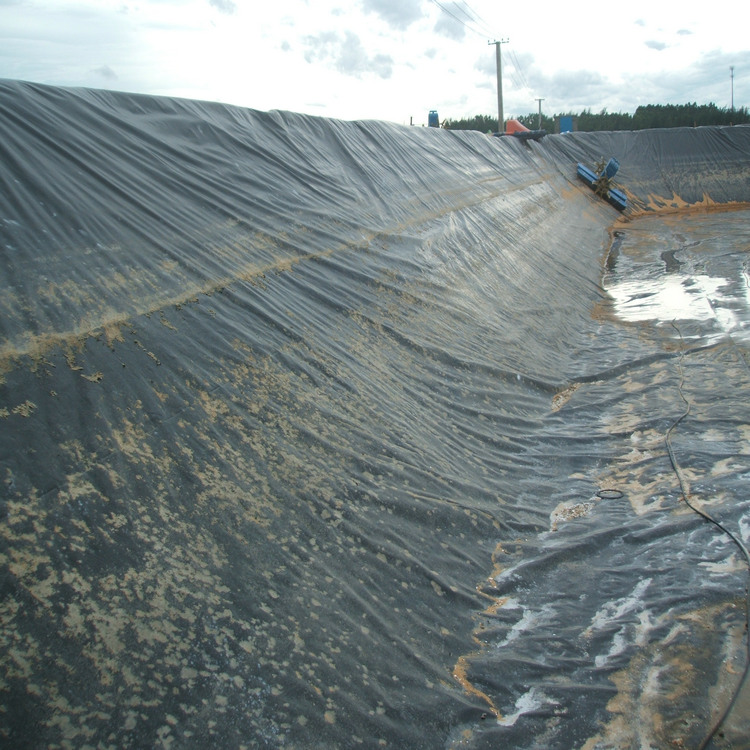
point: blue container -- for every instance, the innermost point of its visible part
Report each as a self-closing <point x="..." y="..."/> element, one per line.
<point x="432" y="119"/>
<point x="611" y="169"/>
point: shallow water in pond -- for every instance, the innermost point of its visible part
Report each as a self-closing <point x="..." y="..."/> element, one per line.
<point x="692" y="267"/>
<point x="631" y="604"/>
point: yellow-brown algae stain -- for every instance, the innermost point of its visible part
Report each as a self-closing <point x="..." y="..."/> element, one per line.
<point x="461" y="668"/>
<point x="567" y="511"/>
<point x="563" y="396"/>
<point x="26" y="409"/>
<point x="675" y="204"/>
<point x="497" y="567"/>
<point x="664" y="675"/>
<point x="460" y="673"/>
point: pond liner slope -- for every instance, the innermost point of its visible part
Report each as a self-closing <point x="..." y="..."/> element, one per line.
<point x="303" y="425"/>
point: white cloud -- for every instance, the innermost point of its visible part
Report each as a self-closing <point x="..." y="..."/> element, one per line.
<point x="346" y="54"/>
<point x="398" y="14"/>
<point x="225" y="6"/>
<point x="389" y="59"/>
<point x="450" y="23"/>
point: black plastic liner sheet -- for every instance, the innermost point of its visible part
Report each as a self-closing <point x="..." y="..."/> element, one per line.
<point x="329" y="434"/>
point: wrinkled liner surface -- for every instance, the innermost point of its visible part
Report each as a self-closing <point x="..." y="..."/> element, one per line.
<point x="304" y="423"/>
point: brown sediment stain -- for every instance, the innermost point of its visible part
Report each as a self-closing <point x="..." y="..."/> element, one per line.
<point x="70" y="358"/>
<point x="98" y="318"/>
<point x="643" y="470"/>
<point x="564" y="395"/>
<point x="498" y="566"/>
<point x="158" y="601"/>
<point x="676" y="204"/>
<point x="460" y="674"/>
<point x="664" y="206"/>
<point x="166" y="322"/>
<point x="26" y="409"/>
<point x="125" y="623"/>
<point x="462" y="666"/>
<point x="113" y="332"/>
<point x="632" y="472"/>
<point x="568" y="510"/>
<point x="664" y="674"/>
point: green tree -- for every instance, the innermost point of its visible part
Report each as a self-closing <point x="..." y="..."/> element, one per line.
<point x="482" y="123"/>
<point x="688" y="115"/>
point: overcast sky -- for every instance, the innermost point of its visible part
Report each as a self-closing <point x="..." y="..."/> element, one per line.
<point x="387" y="59"/>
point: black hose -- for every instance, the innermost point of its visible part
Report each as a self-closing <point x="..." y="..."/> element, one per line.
<point x="743" y="549"/>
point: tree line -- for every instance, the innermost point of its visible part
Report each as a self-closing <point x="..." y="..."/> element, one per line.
<point x="648" y="116"/>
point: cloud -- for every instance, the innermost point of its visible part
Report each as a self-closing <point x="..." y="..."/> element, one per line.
<point x="659" y="46"/>
<point x="708" y="79"/>
<point x="449" y="25"/>
<point x="65" y="46"/>
<point x="320" y="46"/>
<point x="684" y="32"/>
<point x="398" y="14"/>
<point x="224" y="6"/>
<point x="105" y="72"/>
<point x="565" y="90"/>
<point x="346" y="54"/>
<point x="578" y="84"/>
<point x="486" y="64"/>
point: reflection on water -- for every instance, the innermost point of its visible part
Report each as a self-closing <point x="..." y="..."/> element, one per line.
<point x="655" y="273"/>
<point x="670" y="261"/>
<point x="667" y="299"/>
<point x="614" y="251"/>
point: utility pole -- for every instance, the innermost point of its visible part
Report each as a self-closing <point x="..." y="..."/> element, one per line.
<point x="500" y="117"/>
<point x="731" y="76"/>
<point x="539" y="121"/>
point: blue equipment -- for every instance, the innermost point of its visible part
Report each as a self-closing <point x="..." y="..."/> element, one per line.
<point x="600" y="183"/>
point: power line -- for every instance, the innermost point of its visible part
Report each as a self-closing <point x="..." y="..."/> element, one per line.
<point x="517" y="75"/>
<point x="456" y="18"/>
<point x="515" y="79"/>
<point x="518" y="69"/>
<point x="475" y="17"/>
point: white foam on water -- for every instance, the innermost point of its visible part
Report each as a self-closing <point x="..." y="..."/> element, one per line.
<point x="531" y="700"/>
<point x="619" y="644"/>
<point x="529" y="619"/>
<point x="612" y="611"/>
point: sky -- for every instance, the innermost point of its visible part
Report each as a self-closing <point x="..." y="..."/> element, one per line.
<point x="387" y="59"/>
